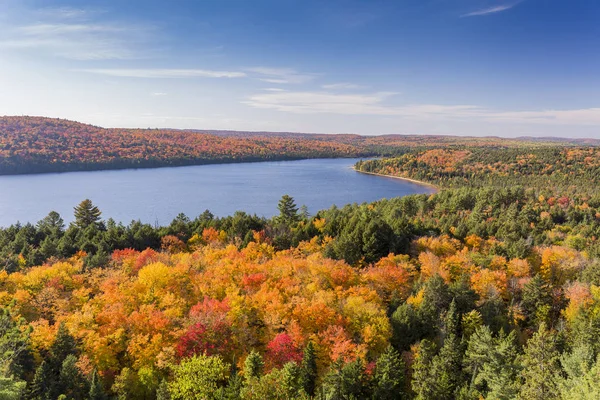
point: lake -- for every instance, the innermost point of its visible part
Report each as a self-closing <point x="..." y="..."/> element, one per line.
<point x="157" y="195"/>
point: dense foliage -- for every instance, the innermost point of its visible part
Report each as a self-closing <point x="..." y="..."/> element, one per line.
<point x="560" y="170"/>
<point x="35" y="145"/>
<point x="482" y="290"/>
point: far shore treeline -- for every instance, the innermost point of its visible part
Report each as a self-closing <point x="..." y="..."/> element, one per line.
<point x="40" y="145"/>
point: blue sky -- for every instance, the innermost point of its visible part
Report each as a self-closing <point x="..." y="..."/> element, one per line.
<point x="464" y="67"/>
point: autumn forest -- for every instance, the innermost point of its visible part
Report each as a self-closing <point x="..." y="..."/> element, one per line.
<point x="38" y="145"/>
<point x="487" y="289"/>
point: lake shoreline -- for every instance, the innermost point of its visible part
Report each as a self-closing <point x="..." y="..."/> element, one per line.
<point x="430" y="185"/>
<point x="66" y="169"/>
<point x="159" y="195"/>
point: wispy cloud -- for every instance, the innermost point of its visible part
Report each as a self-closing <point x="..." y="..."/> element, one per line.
<point x="74" y="34"/>
<point x="165" y="73"/>
<point x="584" y="116"/>
<point x="343" y="85"/>
<point x="376" y="104"/>
<point x="159" y="94"/>
<point x="64" y="12"/>
<point x="324" y="102"/>
<point x="48" y="30"/>
<point x="281" y="75"/>
<point x="490" y="10"/>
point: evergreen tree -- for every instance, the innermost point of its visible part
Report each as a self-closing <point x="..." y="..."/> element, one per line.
<point x="72" y="383"/>
<point x="577" y="362"/>
<point x="407" y="326"/>
<point x="64" y="345"/>
<point x="11" y="388"/>
<point x="492" y="364"/>
<point x="86" y="214"/>
<point x="253" y="366"/>
<point x="447" y="365"/>
<point x="540" y="367"/>
<point x="441" y="377"/>
<point x="479" y="349"/>
<point x="49" y="247"/>
<point x="39" y="389"/>
<point x="494" y="313"/>
<point x="309" y="369"/>
<point x="234" y="386"/>
<point x="436" y="299"/>
<point x="96" y="389"/>
<point x="421" y="382"/>
<point x="537" y="300"/>
<point x="15" y="356"/>
<point x="347" y="381"/>
<point x="582" y="371"/>
<point x="349" y="245"/>
<point x="304" y="214"/>
<point x="503" y="368"/>
<point x="451" y="328"/>
<point x="288" y="211"/>
<point x="388" y="379"/>
<point x="52" y="224"/>
<point x="291" y="381"/>
<point x="377" y="241"/>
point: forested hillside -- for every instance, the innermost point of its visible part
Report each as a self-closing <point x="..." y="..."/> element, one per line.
<point x="36" y="145"/>
<point x="558" y="170"/>
<point x="475" y="292"/>
<point x="33" y="145"/>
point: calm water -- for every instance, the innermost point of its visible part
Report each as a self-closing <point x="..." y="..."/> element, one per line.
<point x="158" y="195"/>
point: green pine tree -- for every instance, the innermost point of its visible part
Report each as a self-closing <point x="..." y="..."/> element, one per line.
<point x="39" y="389"/>
<point x="436" y="299"/>
<point x="377" y="240"/>
<point x="72" y="383"/>
<point x="309" y="369"/>
<point x="388" y="379"/>
<point x="15" y="356"/>
<point x="52" y="224"/>
<point x="253" y="366"/>
<point x="448" y="363"/>
<point x="291" y="381"/>
<point x="96" y="389"/>
<point x="537" y="300"/>
<point x="288" y="211"/>
<point x="86" y="214"/>
<point x="421" y="382"/>
<point x="11" y="388"/>
<point x="582" y="370"/>
<point x="491" y="362"/>
<point x="541" y="367"/>
<point x="63" y="346"/>
<point x="442" y="377"/>
<point x="347" y="381"/>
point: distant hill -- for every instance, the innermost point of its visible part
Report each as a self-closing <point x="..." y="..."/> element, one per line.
<point x="35" y="144"/>
<point x="407" y="137"/>
<point x="571" y="141"/>
<point x="39" y="144"/>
